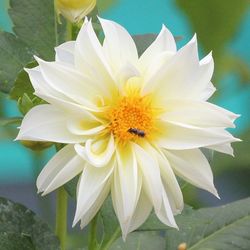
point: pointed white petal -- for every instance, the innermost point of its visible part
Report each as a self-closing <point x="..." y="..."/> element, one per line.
<point x="90" y="58"/>
<point x="171" y="185"/>
<point x="192" y="166"/>
<point x="166" y="82"/>
<point x="65" y="53"/>
<point x="178" y="136"/>
<point x="165" y="214"/>
<point x="225" y="148"/>
<point x="165" y="42"/>
<point x="46" y="123"/>
<point x="152" y="183"/>
<point x="68" y="172"/>
<point x="90" y="214"/>
<point x="119" y="46"/>
<point x="54" y="166"/>
<point x="69" y="82"/>
<point x="126" y="186"/>
<point x="40" y="85"/>
<point x="198" y="113"/>
<point x="91" y="183"/>
<point x="142" y="211"/>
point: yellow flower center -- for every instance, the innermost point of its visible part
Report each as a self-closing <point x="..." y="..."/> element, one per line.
<point x="75" y="4"/>
<point x="131" y="118"/>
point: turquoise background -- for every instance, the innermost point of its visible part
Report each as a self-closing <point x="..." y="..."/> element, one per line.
<point x="140" y="16"/>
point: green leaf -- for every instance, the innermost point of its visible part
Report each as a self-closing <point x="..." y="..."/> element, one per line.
<point x="140" y="241"/>
<point x="34" y="23"/>
<point x="214" y="21"/>
<point x="154" y="224"/>
<point x="22" y="84"/>
<point x="20" y="229"/>
<point x="218" y="228"/>
<point x="35" y="34"/>
<point x="14" y="56"/>
<point x="110" y="223"/>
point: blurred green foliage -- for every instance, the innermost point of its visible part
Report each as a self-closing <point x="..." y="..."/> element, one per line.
<point x="216" y="23"/>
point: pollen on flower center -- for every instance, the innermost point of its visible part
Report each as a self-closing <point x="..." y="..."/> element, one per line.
<point x="131" y="118"/>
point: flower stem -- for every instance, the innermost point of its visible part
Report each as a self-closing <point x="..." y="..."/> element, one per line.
<point x="61" y="216"/>
<point x="92" y="243"/>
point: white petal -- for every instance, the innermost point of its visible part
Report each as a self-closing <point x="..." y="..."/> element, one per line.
<point x="118" y="45"/>
<point x="198" y="113"/>
<point x="40" y="85"/>
<point x="97" y="152"/>
<point x="152" y="183"/>
<point x="68" y="172"/>
<point x="126" y="187"/>
<point x="225" y="148"/>
<point x="90" y="214"/>
<point x="164" y="42"/>
<point x="192" y="166"/>
<point x="202" y="79"/>
<point x="165" y="214"/>
<point x="176" y="75"/>
<point x="90" y="58"/>
<point x="91" y="184"/>
<point x="46" y="123"/>
<point x="142" y="211"/>
<point x="65" y="53"/>
<point x="171" y="185"/>
<point x="61" y="168"/>
<point x="178" y="136"/>
<point x="69" y="82"/>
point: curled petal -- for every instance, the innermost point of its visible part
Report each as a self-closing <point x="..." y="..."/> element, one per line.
<point x="97" y="152"/>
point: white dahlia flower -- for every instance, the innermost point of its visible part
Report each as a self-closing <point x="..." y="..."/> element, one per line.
<point x="130" y="124"/>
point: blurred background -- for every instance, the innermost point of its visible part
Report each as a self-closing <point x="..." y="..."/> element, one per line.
<point x="222" y="26"/>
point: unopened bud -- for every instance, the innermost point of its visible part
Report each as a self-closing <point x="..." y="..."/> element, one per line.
<point x="75" y="10"/>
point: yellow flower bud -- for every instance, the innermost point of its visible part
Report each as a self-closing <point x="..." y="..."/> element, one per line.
<point x="75" y="10"/>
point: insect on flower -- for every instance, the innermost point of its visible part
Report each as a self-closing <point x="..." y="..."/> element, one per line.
<point x="137" y="131"/>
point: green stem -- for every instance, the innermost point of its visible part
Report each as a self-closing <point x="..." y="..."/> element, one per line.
<point x="61" y="216"/>
<point x="92" y="244"/>
<point x="115" y="235"/>
<point x="69" y="29"/>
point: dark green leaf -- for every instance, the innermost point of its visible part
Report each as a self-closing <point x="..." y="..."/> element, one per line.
<point x="218" y="228"/>
<point x="20" y="229"/>
<point x="14" y="56"/>
<point x="34" y="24"/>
